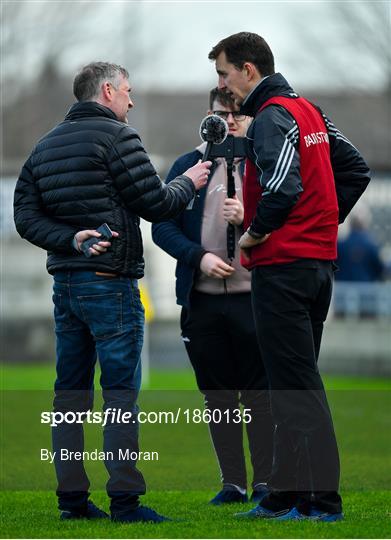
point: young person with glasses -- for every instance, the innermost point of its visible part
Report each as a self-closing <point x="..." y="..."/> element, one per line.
<point x="235" y="115"/>
<point x="216" y="320"/>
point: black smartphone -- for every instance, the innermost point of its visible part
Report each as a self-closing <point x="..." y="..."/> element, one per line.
<point x="106" y="233"/>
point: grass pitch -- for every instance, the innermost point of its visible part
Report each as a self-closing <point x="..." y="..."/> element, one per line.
<point x="33" y="515"/>
<point x="186" y="475"/>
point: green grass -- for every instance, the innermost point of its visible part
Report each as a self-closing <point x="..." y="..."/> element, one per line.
<point x="366" y="517"/>
<point x="41" y="377"/>
<point x="186" y="475"/>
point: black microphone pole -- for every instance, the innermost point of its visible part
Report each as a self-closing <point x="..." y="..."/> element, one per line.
<point x="208" y="150"/>
<point x="230" y="194"/>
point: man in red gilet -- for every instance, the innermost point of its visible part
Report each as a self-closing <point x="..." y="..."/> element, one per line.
<point x="302" y="178"/>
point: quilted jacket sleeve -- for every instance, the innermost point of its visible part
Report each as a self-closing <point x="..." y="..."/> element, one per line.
<point x="169" y="235"/>
<point x="139" y="186"/>
<point x="31" y="221"/>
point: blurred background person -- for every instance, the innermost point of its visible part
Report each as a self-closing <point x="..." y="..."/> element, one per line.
<point x="216" y="319"/>
<point x="359" y="257"/>
<point x="361" y="269"/>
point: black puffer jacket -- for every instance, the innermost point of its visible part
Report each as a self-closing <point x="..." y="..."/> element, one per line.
<point x="88" y="170"/>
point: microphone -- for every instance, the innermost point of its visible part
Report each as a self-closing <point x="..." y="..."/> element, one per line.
<point x="213" y="130"/>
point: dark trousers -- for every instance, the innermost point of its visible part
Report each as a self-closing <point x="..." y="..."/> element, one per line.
<point x="100" y="317"/>
<point x="290" y="304"/>
<point x="219" y="335"/>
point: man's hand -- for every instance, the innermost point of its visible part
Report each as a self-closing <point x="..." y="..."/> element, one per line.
<point x="233" y="211"/>
<point x="96" y="249"/>
<point x="199" y="174"/>
<point x="246" y="242"/>
<point x="213" y="266"/>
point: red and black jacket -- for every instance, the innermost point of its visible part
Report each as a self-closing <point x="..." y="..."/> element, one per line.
<point x="302" y="176"/>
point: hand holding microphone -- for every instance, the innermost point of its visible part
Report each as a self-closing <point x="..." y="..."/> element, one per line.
<point x="233" y="211"/>
<point x="199" y="173"/>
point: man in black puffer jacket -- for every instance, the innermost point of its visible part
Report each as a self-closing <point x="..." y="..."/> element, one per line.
<point x="92" y="169"/>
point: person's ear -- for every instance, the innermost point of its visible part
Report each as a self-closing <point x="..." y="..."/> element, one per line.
<point x="251" y="71"/>
<point x="209" y="112"/>
<point x="107" y="91"/>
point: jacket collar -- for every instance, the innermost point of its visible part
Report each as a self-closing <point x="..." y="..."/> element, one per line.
<point x="85" y="109"/>
<point x="271" y="86"/>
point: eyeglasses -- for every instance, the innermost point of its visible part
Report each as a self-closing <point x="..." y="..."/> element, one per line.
<point x="236" y="115"/>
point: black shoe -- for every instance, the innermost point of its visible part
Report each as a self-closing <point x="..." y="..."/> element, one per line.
<point x="259" y="493"/>
<point x="90" y="512"/>
<point x="229" y="495"/>
<point x="142" y="513"/>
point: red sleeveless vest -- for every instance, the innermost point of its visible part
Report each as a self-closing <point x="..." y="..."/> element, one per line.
<point x="310" y="231"/>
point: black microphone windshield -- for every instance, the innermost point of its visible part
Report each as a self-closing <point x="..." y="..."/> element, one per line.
<point x="213" y="129"/>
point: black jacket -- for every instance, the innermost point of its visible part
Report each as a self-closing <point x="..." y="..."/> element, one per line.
<point x="88" y="170"/>
<point x="268" y="136"/>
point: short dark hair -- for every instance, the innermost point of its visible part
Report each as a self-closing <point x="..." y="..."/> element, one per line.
<point x="88" y="81"/>
<point x="246" y="47"/>
<point x="222" y="97"/>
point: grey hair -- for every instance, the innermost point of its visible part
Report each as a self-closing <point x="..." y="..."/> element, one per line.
<point x="88" y="82"/>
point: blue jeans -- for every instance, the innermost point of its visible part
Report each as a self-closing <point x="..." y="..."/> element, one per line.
<point x="97" y="317"/>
